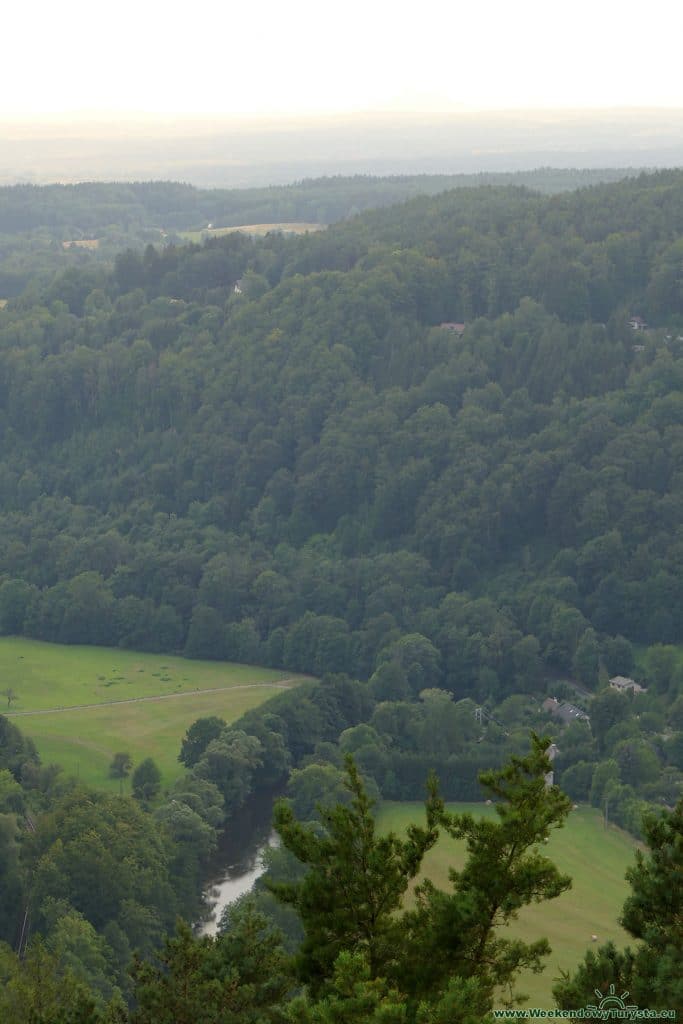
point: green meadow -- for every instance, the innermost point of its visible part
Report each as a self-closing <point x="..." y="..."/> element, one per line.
<point x="81" y="705"/>
<point x="259" y="230"/>
<point x="595" y="857"/>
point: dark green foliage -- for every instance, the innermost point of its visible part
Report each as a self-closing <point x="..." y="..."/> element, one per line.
<point x="229" y="762"/>
<point x="42" y="989"/>
<point x="120" y="768"/>
<point x="109" y="860"/>
<point x="353" y="996"/>
<point x="240" y="977"/>
<point x="17" y="753"/>
<point x="146" y="781"/>
<point x="653" y="911"/>
<point x="197" y="739"/>
<point x="355" y="882"/>
<point x="316" y="475"/>
<point x="350" y="898"/>
<point x="457" y="933"/>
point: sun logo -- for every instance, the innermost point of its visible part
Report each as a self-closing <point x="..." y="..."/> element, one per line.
<point x="612" y="1001"/>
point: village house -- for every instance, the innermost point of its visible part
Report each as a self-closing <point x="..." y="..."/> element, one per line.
<point x="636" y="323"/>
<point x="623" y="683"/>
<point x="563" y="711"/>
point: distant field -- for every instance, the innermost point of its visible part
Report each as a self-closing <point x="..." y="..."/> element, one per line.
<point x="595" y="857"/>
<point x="82" y="243"/>
<point x="83" y="704"/>
<point x="3" y="303"/>
<point x="294" y="228"/>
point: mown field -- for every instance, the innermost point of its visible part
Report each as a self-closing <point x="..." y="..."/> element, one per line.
<point x="595" y="857"/>
<point x="259" y="230"/>
<point x="81" y="705"/>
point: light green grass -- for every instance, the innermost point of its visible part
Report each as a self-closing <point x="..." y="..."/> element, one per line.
<point x="83" y="740"/>
<point x="289" y="228"/>
<point x="595" y="857"/>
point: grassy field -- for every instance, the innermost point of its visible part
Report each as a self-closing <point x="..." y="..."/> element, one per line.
<point x="81" y="705"/>
<point x="595" y="857"/>
<point x="294" y="228"/>
<point x="82" y="243"/>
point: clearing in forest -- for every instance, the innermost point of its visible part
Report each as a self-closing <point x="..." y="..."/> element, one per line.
<point x="81" y="705"/>
<point x="259" y="230"/>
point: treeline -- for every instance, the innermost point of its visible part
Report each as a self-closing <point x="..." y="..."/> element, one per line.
<point x="47" y="229"/>
<point x="91" y="207"/>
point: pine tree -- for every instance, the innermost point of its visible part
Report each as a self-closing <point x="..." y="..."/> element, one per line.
<point x="457" y="934"/>
<point x="448" y="951"/>
<point x="355" y="883"/>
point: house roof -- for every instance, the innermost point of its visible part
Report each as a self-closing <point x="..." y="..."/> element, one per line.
<point x="564" y="711"/>
<point x="626" y="683"/>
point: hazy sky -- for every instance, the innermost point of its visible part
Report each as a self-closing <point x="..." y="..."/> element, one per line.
<point x="309" y="56"/>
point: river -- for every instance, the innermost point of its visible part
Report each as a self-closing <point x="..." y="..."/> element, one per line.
<point x="238" y="860"/>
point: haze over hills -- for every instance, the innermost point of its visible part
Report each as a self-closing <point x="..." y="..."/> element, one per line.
<point x="241" y="152"/>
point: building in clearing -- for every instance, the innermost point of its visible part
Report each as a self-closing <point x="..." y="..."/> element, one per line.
<point x="564" y="712"/>
<point x="636" y="323"/>
<point x="623" y="684"/>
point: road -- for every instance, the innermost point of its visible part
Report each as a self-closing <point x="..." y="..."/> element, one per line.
<point x="284" y="684"/>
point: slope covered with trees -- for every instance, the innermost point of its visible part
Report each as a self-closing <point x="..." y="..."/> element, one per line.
<point x="313" y="473"/>
<point x="310" y="471"/>
<point x="422" y="455"/>
<point x="48" y="228"/>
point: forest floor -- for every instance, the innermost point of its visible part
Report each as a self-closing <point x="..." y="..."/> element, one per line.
<point x="595" y="857"/>
<point x="81" y="705"/>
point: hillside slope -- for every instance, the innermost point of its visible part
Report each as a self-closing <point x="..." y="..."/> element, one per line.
<point x="301" y="473"/>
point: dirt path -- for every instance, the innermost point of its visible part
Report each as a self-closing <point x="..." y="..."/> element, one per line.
<point x="284" y="684"/>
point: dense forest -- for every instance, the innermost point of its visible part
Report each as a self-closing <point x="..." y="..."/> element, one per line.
<point x="52" y="227"/>
<point x="307" y="470"/>
<point x="431" y="456"/>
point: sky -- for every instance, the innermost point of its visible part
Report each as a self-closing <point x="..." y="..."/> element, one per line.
<point x="83" y="58"/>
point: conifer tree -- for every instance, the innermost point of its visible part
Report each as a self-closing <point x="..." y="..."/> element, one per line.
<point x="356" y="880"/>
<point x="447" y="951"/>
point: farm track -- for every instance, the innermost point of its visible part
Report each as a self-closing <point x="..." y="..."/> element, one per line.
<point x="282" y="685"/>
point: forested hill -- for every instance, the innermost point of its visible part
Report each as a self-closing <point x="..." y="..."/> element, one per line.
<point x="97" y="207"/>
<point x="310" y="469"/>
<point x="51" y="228"/>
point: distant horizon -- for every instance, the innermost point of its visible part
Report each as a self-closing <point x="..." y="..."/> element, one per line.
<point x="108" y="117"/>
<point x="213" y="151"/>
